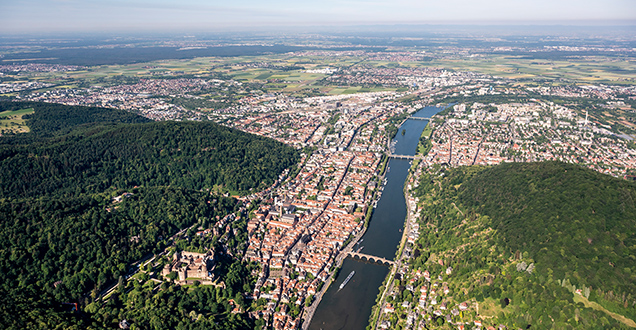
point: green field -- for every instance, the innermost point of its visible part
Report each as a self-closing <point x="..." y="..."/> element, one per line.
<point x="263" y="76"/>
<point x="428" y="130"/>
<point x="12" y="122"/>
<point x="247" y="69"/>
<point x="595" y="69"/>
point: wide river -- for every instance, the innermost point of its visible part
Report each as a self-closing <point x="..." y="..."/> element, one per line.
<point x="350" y="307"/>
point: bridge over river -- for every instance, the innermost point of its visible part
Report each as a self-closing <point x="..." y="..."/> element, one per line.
<point x="350" y="308"/>
<point x="419" y="118"/>
<point x="370" y="258"/>
<point x="404" y="156"/>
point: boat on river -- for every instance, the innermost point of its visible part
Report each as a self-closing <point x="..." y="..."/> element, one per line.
<point x="347" y="280"/>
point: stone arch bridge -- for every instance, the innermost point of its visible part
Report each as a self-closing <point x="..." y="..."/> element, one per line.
<point x="370" y="258"/>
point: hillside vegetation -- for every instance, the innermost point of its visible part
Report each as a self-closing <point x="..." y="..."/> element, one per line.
<point x="64" y="237"/>
<point x="50" y="118"/>
<point x="525" y="239"/>
<point x="98" y="157"/>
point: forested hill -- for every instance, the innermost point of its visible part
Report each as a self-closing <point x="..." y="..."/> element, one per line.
<point x="50" y="118"/>
<point x="64" y="237"/>
<point x="95" y="158"/>
<point x="581" y="222"/>
<point x="524" y="237"/>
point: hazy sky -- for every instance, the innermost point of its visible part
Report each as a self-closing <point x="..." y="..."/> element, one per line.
<point x="18" y="16"/>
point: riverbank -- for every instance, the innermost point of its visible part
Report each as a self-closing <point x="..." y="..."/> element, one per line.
<point x="377" y="309"/>
<point x="338" y="264"/>
<point x="308" y="313"/>
<point x="410" y="209"/>
<point x="342" y="255"/>
<point x="350" y="308"/>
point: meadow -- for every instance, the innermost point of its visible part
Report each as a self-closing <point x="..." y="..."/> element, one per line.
<point x="592" y="69"/>
<point x="11" y="122"/>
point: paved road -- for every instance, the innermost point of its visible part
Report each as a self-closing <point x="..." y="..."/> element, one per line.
<point x="398" y="260"/>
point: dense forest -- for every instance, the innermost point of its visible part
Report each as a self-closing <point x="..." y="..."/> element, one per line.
<point x="95" y="158"/>
<point x="578" y="222"/>
<point x="50" y="118"/>
<point x="532" y="244"/>
<point x="90" y="191"/>
<point x="127" y="55"/>
<point x="67" y="249"/>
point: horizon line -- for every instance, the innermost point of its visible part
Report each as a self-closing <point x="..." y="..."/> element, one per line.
<point x="314" y="28"/>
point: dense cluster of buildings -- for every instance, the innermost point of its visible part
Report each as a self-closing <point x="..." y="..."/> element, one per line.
<point x="38" y="67"/>
<point x="327" y="122"/>
<point x="537" y="131"/>
<point x="585" y="91"/>
<point x="298" y="232"/>
<point x="146" y="97"/>
<point x="22" y="86"/>
<point x="416" y="77"/>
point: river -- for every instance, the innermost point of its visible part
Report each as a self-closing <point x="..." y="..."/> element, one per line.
<point x="350" y="307"/>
